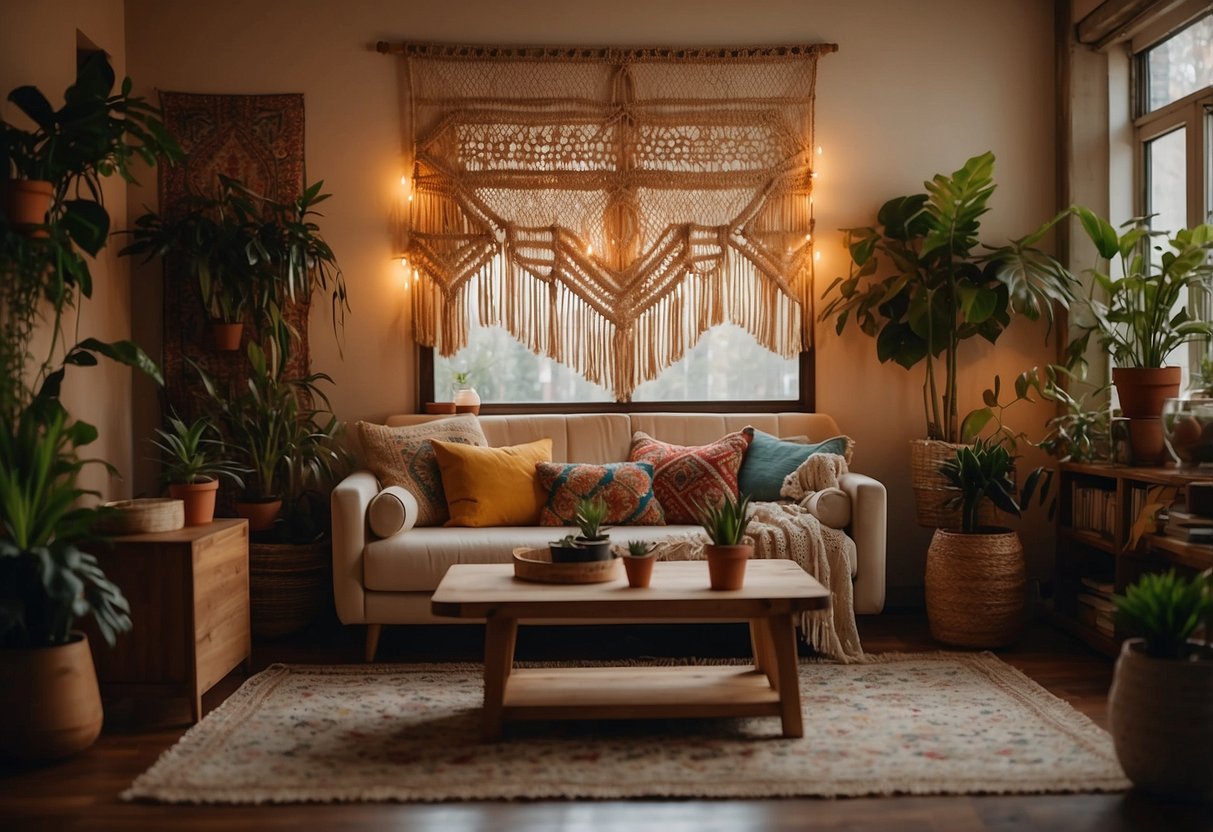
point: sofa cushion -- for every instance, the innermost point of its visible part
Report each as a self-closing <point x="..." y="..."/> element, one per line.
<point x="688" y="477"/>
<point x="769" y="459"/>
<point x="492" y="486"/>
<point x="392" y="510"/>
<point x="627" y="488"/>
<point x="404" y="456"/>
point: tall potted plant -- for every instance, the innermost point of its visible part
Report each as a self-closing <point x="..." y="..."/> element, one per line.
<point x="921" y="285"/>
<point x="975" y="576"/>
<point x="194" y="458"/>
<point x="1160" y="706"/>
<point x="1143" y="315"/>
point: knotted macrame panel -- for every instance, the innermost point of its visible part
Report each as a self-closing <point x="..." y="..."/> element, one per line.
<point x="609" y="206"/>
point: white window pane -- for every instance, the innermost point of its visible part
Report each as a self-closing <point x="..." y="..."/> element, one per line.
<point x="1180" y="65"/>
<point x="727" y="363"/>
<point x="1167" y="171"/>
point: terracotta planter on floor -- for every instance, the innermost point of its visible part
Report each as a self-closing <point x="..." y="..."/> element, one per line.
<point x="976" y="588"/>
<point x="199" y="499"/>
<point x="639" y="569"/>
<point x="726" y="565"/>
<point x="226" y="336"/>
<point x="25" y="202"/>
<point x="50" y="706"/>
<point x="260" y="514"/>
<point x="1160" y="714"/>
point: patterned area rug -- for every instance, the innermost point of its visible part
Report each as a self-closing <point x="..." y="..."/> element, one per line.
<point x="931" y="723"/>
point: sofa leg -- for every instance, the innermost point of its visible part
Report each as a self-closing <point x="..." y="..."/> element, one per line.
<point x="372" y="640"/>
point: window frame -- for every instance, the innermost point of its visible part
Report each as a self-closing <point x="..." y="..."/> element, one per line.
<point x="805" y="403"/>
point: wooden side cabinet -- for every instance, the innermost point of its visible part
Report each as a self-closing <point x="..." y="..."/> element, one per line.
<point x="189" y="597"/>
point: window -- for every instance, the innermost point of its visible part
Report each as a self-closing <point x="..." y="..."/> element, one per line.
<point x="1174" y="136"/>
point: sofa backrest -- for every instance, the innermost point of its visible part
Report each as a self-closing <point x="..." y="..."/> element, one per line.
<point x="607" y="437"/>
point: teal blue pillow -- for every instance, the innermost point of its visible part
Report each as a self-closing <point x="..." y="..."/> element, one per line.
<point x="769" y="459"/>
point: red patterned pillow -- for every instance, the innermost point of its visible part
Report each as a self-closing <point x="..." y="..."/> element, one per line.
<point x="688" y="476"/>
<point x="627" y="488"/>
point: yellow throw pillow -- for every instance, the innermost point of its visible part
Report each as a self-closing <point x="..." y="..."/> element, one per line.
<point x="492" y="486"/>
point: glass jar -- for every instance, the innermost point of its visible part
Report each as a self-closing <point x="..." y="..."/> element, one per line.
<point x="1187" y="429"/>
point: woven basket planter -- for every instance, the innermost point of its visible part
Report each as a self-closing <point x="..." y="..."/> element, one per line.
<point x="975" y="587"/>
<point x="931" y="489"/>
<point x="1160" y="713"/>
<point x="289" y="584"/>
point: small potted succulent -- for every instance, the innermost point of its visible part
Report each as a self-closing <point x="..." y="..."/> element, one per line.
<point x="638" y="562"/>
<point x="592" y="543"/>
<point x="1160" y="707"/>
<point x="726" y="525"/>
<point x="194" y="459"/>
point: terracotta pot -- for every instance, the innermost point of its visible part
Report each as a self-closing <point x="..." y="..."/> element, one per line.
<point x="50" y="706"/>
<point x="976" y="587"/>
<point x="226" y="336"/>
<point x="1142" y="390"/>
<point x="25" y="203"/>
<point x="440" y="408"/>
<point x="640" y="569"/>
<point x="199" y="499"/>
<point x="726" y="565"/>
<point x="289" y="584"/>
<point x="260" y="514"/>
<point x="467" y="400"/>
<point x="1160" y="713"/>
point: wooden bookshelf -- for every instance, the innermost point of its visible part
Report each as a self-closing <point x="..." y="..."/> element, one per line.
<point x="1098" y="504"/>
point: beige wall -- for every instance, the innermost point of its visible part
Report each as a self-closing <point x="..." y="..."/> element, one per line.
<point x="38" y="46"/>
<point x="915" y="88"/>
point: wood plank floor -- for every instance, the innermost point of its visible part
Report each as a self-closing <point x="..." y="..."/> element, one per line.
<point x="82" y="793"/>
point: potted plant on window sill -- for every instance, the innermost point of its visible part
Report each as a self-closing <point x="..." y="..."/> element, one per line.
<point x="940" y="292"/>
<point x="1138" y="324"/>
<point x="726" y="524"/>
<point x="1160" y="706"/>
<point x="975" y="575"/>
<point x="194" y="460"/>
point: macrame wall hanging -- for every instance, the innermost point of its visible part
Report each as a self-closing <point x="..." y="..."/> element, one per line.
<point x="608" y="206"/>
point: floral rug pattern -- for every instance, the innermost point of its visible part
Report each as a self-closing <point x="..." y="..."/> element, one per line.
<point x="931" y="723"/>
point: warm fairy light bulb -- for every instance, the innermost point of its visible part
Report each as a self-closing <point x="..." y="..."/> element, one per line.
<point x="404" y="180"/>
<point x="808" y="238"/>
<point x="415" y="276"/>
<point x="589" y="250"/>
<point x="812" y="174"/>
<point x="817" y="255"/>
<point x="820" y="150"/>
<point x="404" y="262"/>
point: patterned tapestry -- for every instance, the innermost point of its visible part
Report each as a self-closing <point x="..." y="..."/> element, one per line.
<point x="607" y="206"/>
<point x="257" y="139"/>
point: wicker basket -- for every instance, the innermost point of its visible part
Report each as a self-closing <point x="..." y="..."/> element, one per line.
<point x="289" y="584"/>
<point x="931" y="488"/>
<point x="536" y="565"/>
<point x="976" y="587"/>
<point x="143" y="516"/>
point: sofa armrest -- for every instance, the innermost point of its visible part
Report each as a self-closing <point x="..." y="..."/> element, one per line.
<point x="349" y="502"/>
<point x="869" y="519"/>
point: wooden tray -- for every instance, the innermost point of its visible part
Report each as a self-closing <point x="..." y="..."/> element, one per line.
<point x="157" y="514"/>
<point x="536" y="565"/>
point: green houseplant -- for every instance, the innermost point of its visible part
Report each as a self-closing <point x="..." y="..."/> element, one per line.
<point x="975" y="575"/>
<point x="49" y="702"/>
<point x="1136" y="320"/>
<point x="1160" y="706"/>
<point x="726" y="525"/>
<point x="194" y="457"/>
<point x="638" y="563"/>
<point x="591" y="544"/>
<point x="921" y="285"/>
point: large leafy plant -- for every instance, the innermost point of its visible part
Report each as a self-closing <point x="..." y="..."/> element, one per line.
<point x="1165" y="609"/>
<point x="921" y="284"/>
<point x="1141" y="316"/>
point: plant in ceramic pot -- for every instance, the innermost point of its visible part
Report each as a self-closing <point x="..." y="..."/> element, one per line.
<point x="727" y="554"/>
<point x="638" y="563"/>
<point x="194" y="458"/>
<point x="465" y="397"/>
<point x="1142" y="315"/>
<point x="921" y="285"/>
<point x="591" y="544"/>
<point x="975" y="575"/>
<point x="1160" y="706"/>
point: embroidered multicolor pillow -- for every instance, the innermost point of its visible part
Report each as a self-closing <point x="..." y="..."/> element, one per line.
<point x="627" y="488"/>
<point x="686" y="477"/>
<point x="404" y="456"/>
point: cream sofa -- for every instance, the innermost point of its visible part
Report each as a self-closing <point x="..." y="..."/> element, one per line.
<point x="390" y="580"/>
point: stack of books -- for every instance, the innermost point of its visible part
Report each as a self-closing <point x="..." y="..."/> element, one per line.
<point x="1183" y="525"/>
<point x="1095" y="605"/>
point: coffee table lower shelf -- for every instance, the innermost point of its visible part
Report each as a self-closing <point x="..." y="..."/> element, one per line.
<point x="639" y="693"/>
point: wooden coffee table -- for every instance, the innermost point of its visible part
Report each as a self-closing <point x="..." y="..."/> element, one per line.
<point x="774" y="591"/>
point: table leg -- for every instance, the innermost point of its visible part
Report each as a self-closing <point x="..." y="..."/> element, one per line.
<point x="500" y="635"/>
<point x="764" y="659"/>
<point x="783" y="645"/>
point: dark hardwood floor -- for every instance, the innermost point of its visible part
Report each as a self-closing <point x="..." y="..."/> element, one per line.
<point x="82" y="793"/>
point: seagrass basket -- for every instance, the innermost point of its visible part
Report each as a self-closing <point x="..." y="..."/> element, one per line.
<point x="289" y="585"/>
<point x="976" y="586"/>
<point x="931" y="490"/>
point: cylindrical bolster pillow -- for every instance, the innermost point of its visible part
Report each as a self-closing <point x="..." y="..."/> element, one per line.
<point x="831" y="506"/>
<point x="393" y="510"/>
